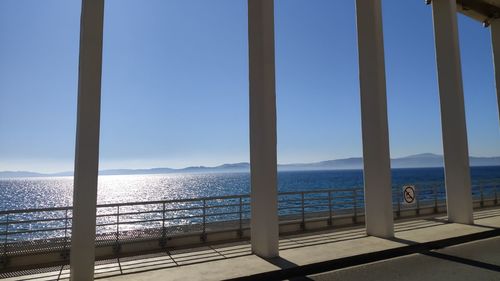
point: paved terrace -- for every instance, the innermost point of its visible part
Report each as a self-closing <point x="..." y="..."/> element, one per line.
<point x="312" y="253"/>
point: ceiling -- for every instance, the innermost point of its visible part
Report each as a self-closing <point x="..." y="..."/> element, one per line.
<point x="481" y="10"/>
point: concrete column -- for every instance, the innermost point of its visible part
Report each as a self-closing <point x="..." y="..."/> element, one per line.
<point x="495" y="42"/>
<point x="376" y="158"/>
<point x="87" y="141"/>
<point x="263" y="166"/>
<point x="456" y="153"/>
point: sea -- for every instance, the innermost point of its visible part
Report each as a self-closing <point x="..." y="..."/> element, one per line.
<point x="48" y="192"/>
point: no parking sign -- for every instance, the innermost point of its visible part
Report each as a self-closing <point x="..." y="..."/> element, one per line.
<point x="409" y="195"/>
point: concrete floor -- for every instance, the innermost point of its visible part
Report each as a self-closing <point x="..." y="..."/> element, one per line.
<point x="308" y="249"/>
<point x="479" y="260"/>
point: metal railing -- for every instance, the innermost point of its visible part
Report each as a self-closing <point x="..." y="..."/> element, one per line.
<point x="328" y="203"/>
<point x="49" y="230"/>
<point x="433" y="195"/>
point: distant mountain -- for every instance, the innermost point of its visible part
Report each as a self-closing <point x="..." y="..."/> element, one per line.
<point x="136" y="171"/>
<point x="224" y="168"/>
<point x="339" y="164"/>
<point x="424" y="160"/>
<point x="20" y="174"/>
<point x="433" y="160"/>
<point x="423" y="156"/>
<point x="485" y="161"/>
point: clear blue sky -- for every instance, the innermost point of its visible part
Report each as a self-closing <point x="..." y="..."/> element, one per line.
<point x="175" y="82"/>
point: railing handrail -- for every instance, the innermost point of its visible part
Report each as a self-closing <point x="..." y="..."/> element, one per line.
<point x="37" y="210"/>
<point x="225" y="197"/>
<point x="111" y="205"/>
<point x="171" y="201"/>
<point x="320" y="191"/>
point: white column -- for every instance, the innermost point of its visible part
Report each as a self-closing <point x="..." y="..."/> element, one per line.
<point x="376" y="158"/>
<point x="495" y="42"/>
<point x="87" y="141"/>
<point x="263" y="166"/>
<point x="456" y="153"/>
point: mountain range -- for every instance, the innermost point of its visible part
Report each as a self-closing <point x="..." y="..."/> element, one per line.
<point x="424" y="160"/>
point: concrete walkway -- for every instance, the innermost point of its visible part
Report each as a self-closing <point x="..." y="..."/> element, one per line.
<point x="478" y="260"/>
<point x="300" y="255"/>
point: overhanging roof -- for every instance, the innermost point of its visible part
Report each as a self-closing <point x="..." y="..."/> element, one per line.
<point x="481" y="10"/>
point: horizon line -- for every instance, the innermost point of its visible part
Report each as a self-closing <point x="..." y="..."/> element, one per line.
<point x="234" y="163"/>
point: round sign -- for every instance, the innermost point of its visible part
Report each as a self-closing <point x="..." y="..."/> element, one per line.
<point x="409" y="194"/>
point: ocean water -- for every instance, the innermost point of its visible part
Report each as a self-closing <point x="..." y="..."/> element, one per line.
<point x="30" y="193"/>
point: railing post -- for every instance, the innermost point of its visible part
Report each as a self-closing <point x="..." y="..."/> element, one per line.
<point x="330" y="208"/>
<point x="355" y="218"/>
<point x="163" y="240"/>
<point x="65" y="227"/>
<point x="203" y="237"/>
<point x="117" y="222"/>
<point x="303" y="223"/>
<point x="398" y="195"/>
<point x="496" y="194"/>
<point x="481" y="194"/>
<point x="240" y="230"/>
<point x="117" y="247"/>
<point x="6" y="238"/>
<point x="416" y="200"/>
<point x="435" y="190"/>
<point x="163" y="217"/>
<point x="64" y="254"/>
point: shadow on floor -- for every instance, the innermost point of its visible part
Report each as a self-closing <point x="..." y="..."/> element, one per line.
<point x="471" y="262"/>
